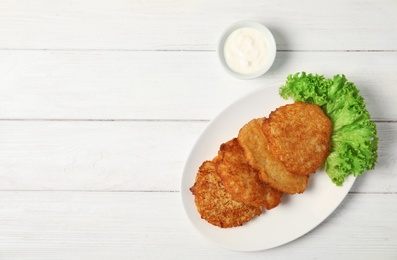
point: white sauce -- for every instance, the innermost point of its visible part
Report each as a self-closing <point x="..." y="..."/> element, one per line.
<point x="245" y="50"/>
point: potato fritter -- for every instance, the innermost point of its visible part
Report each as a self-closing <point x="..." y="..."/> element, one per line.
<point x="214" y="204"/>
<point x="299" y="136"/>
<point x="241" y="180"/>
<point x="259" y="156"/>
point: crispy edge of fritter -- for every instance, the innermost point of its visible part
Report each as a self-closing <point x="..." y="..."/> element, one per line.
<point x="299" y="136"/>
<point x="241" y="180"/>
<point x="214" y="204"/>
<point x="258" y="154"/>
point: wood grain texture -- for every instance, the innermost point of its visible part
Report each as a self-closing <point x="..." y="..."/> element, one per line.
<point x="194" y="25"/>
<point x="168" y="85"/>
<point x="97" y="225"/>
<point x="94" y="155"/>
<point x="128" y="156"/>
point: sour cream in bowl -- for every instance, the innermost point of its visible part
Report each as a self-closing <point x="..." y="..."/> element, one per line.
<point x="247" y="49"/>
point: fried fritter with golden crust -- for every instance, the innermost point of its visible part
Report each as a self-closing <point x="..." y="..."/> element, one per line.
<point x="259" y="156"/>
<point x="214" y="204"/>
<point x="241" y="180"/>
<point x="299" y="136"/>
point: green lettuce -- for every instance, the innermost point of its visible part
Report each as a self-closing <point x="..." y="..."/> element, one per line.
<point x="354" y="139"/>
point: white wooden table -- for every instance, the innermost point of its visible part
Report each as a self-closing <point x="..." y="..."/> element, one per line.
<point x="101" y="102"/>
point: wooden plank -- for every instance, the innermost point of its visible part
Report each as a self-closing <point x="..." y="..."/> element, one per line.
<point x="167" y="85"/>
<point x="94" y="155"/>
<point x="171" y="25"/>
<point x="100" y="225"/>
<point x="127" y="156"/>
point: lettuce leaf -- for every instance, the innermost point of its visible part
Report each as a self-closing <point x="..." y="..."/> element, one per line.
<point x="354" y="139"/>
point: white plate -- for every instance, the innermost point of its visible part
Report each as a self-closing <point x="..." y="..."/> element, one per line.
<point x="295" y="216"/>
